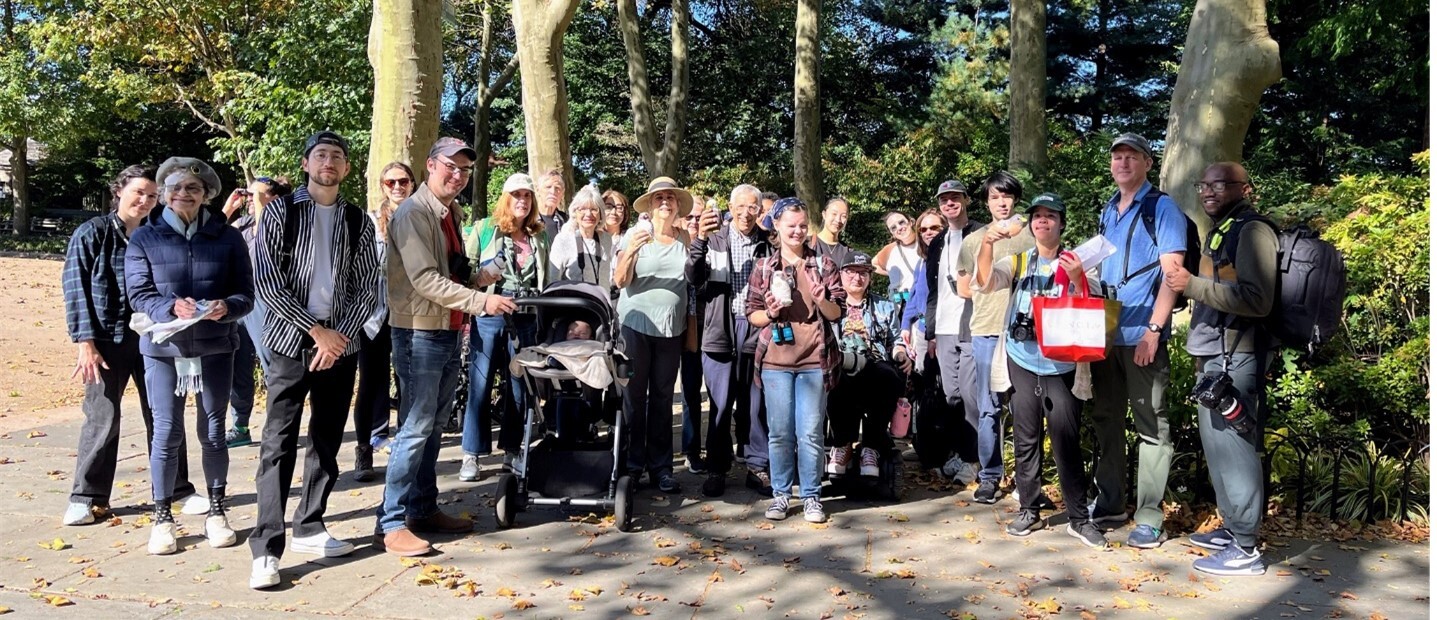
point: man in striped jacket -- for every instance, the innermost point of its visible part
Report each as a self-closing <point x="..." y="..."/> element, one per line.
<point x="318" y="275"/>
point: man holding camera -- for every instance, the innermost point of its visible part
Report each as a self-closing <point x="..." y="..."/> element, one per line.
<point x="1233" y="293"/>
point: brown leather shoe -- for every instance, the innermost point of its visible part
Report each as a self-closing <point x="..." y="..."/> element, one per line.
<point x="403" y="542"/>
<point x="440" y="523"/>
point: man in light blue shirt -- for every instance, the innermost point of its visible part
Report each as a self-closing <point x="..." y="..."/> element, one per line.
<point x="1150" y="232"/>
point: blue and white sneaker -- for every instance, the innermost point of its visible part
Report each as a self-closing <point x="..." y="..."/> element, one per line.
<point x="1145" y="537"/>
<point x="1217" y="540"/>
<point x="1232" y="561"/>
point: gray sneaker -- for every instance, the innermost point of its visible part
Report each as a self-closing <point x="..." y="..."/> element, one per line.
<point x="813" y="510"/>
<point x="1088" y="533"/>
<point x="778" y="510"/>
<point x="469" y="470"/>
<point x="1027" y="522"/>
<point x="78" y="513"/>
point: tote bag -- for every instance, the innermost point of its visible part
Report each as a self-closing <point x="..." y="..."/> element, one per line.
<point x="1074" y="327"/>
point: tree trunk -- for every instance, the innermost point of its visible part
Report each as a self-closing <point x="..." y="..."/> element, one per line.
<point x="406" y="52"/>
<point x="539" y="27"/>
<point x="807" y="153"/>
<point x="1228" y="61"/>
<point x="483" y="100"/>
<point x="20" y="184"/>
<point x="1028" y="88"/>
<point x="658" y="160"/>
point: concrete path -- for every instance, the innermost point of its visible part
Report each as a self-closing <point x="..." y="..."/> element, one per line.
<point x="933" y="555"/>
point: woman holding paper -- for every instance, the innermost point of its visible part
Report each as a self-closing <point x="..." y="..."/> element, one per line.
<point x="187" y="266"/>
<point x="1042" y="388"/>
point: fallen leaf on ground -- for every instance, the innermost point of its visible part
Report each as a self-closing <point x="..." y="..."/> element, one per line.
<point x="91" y="572"/>
<point x="666" y="560"/>
<point x="54" y="545"/>
<point x="639" y="611"/>
<point x="523" y="604"/>
<point x="506" y="592"/>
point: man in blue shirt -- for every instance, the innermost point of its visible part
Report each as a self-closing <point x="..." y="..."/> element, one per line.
<point x="1135" y="371"/>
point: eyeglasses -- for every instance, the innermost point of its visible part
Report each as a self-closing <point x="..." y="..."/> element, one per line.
<point x="395" y="183"/>
<point x="1217" y="186"/>
<point x="185" y="189"/>
<point x="899" y="226"/>
<point x="455" y="169"/>
<point x="319" y="155"/>
<point x="934" y="228"/>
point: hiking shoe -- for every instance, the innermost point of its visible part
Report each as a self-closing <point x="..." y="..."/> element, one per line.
<point x="322" y="545"/>
<point x="1217" y="540"/>
<point x="238" y="437"/>
<point x="1233" y="560"/>
<point x="714" y="484"/>
<point x="1145" y="537"/>
<point x="695" y="466"/>
<point x="194" y="504"/>
<point x="868" y="463"/>
<point x="759" y="480"/>
<point x="1088" y="533"/>
<point x="987" y="492"/>
<point x="668" y="484"/>
<point x="1027" y="522"/>
<point x="264" y="573"/>
<point x="363" y="463"/>
<point x="78" y="513"/>
<point x="813" y="510"/>
<point x="469" y="469"/>
<point x="778" y="510"/>
<point x="838" y="460"/>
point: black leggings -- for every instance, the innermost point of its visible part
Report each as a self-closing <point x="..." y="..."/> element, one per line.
<point x="1036" y="398"/>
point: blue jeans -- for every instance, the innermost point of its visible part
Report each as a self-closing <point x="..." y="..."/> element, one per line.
<point x="169" y="412"/>
<point x="691" y="379"/>
<point x="489" y="350"/>
<point x="427" y="362"/>
<point x="795" y="428"/>
<point x="990" y="415"/>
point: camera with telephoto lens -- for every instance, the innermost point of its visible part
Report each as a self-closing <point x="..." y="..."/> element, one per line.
<point x="1214" y="390"/>
<point x="1022" y="328"/>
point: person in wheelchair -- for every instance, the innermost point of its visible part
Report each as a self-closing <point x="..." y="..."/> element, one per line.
<point x="875" y="364"/>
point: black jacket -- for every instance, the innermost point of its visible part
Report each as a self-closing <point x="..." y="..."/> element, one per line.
<point x="930" y="268"/>
<point x="714" y="292"/>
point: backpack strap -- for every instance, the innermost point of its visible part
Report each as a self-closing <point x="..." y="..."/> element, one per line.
<point x="1148" y="215"/>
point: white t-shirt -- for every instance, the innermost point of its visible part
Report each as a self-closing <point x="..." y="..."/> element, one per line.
<point x="952" y="319"/>
<point x="321" y="290"/>
<point x="901" y="263"/>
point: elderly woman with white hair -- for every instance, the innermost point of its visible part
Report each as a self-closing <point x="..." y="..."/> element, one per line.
<point x="583" y="251"/>
<point x="187" y="264"/>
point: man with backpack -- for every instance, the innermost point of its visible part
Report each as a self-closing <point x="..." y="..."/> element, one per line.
<point x="1152" y="237"/>
<point x="317" y="273"/>
<point x="1233" y="294"/>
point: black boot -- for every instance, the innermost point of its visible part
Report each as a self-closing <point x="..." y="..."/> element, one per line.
<point x="363" y="462"/>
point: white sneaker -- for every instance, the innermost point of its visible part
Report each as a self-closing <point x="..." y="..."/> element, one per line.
<point x="78" y="513"/>
<point x="264" y="573"/>
<point x="218" y="531"/>
<point x="194" y="504"/>
<point x="322" y="545"/>
<point x="162" y="538"/>
<point x="838" y="459"/>
<point x="868" y="463"/>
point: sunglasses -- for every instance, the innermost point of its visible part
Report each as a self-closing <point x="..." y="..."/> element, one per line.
<point x="393" y="183"/>
<point x="938" y="228"/>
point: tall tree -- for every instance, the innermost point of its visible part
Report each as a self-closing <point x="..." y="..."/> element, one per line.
<point x="1228" y="61"/>
<point x="539" y="27"/>
<point x="17" y="138"/>
<point x="1028" y="88"/>
<point x="406" y="51"/>
<point x="489" y="88"/>
<point x="807" y="151"/>
<point x="658" y="160"/>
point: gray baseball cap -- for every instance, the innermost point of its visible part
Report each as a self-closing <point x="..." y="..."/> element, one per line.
<point x="1133" y="141"/>
<point x="950" y="186"/>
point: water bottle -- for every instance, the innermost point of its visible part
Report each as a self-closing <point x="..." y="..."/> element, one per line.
<point x="902" y="415"/>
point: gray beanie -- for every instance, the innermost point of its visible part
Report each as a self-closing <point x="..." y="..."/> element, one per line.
<point x="191" y="166"/>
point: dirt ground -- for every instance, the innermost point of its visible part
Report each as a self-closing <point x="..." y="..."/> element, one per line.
<point x="36" y="356"/>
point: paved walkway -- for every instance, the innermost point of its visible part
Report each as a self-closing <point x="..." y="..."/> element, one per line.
<point x="933" y="554"/>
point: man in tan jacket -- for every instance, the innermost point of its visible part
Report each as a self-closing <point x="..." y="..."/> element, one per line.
<point x="431" y="288"/>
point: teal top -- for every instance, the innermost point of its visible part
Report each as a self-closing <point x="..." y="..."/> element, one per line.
<point x="655" y="300"/>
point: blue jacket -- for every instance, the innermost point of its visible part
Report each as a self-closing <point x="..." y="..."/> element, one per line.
<point x="161" y="265"/>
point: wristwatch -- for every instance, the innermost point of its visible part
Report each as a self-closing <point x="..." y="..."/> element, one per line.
<point x="1155" y="328"/>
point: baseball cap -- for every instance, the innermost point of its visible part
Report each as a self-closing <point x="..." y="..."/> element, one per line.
<point x="515" y="182"/>
<point x="450" y="147"/>
<point x="951" y="186"/>
<point x="326" y="137"/>
<point x="1133" y="141"/>
<point x="858" y="259"/>
<point x="1048" y="200"/>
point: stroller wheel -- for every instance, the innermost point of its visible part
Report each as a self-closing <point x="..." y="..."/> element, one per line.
<point x="623" y="503"/>
<point x="506" y="503"/>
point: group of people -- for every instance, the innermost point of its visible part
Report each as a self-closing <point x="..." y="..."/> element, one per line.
<point x="803" y="363"/>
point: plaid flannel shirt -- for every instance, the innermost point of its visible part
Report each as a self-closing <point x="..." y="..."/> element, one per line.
<point x="820" y="269"/>
<point x="96" y="307"/>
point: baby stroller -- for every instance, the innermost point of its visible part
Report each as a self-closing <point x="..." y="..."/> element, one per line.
<point x="573" y="385"/>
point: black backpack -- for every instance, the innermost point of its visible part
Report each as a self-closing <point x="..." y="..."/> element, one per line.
<point x="1311" y="285"/>
<point x="1148" y="215"/>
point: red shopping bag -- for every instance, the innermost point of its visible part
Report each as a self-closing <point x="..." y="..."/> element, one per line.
<point x="1072" y="327"/>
